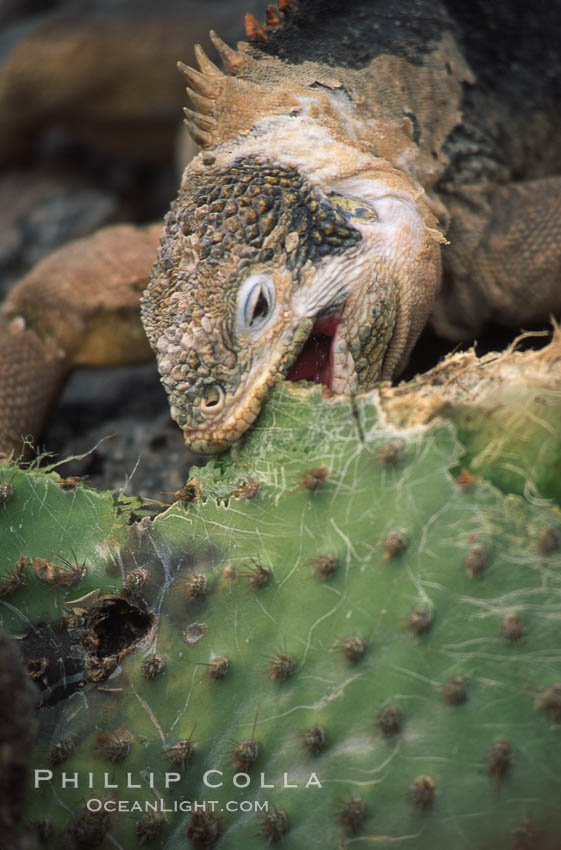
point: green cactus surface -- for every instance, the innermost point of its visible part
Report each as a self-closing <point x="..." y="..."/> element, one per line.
<point x="331" y="640"/>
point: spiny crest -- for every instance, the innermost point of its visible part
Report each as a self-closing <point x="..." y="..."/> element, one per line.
<point x="232" y="60"/>
<point x="274" y="17"/>
<point x="206" y="84"/>
<point x="203" y="89"/>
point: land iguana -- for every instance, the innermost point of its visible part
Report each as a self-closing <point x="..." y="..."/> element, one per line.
<point x="366" y="167"/>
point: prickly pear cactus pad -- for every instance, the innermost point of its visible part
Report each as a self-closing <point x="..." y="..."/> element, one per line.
<point x="335" y="640"/>
<point x="506" y="407"/>
<point x="56" y="538"/>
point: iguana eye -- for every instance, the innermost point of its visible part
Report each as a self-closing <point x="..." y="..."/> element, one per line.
<point x="353" y="208"/>
<point x="256" y="302"/>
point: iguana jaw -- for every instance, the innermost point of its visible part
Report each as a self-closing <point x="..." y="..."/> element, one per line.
<point x="311" y="357"/>
<point x="277" y="353"/>
<point x="315" y="351"/>
<point x="222" y="432"/>
<point x="302" y="358"/>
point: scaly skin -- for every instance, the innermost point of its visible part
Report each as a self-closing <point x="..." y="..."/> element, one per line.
<point x="366" y="168"/>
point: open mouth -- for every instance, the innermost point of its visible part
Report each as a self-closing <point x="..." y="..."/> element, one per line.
<point x="315" y="361"/>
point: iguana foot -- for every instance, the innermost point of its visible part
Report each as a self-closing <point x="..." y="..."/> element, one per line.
<point x="78" y="307"/>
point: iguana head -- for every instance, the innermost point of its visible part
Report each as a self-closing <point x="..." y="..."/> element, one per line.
<point x="289" y="252"/>
<point x="264" y="273"/>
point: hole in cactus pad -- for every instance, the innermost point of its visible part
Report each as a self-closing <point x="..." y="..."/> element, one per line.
<point x="114" y="626"/>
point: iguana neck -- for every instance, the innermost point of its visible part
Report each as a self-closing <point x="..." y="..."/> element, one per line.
<point x="387" y="100"/>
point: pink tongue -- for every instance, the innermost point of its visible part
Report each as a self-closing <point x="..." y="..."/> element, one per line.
<point x="315" y="362"/>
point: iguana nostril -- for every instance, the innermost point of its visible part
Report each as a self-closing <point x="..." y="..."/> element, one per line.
<point x="213" y="400"/>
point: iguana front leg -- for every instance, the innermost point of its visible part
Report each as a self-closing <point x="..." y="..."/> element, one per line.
<point x="504" y="258"/>
<point x="78" y="307"/>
